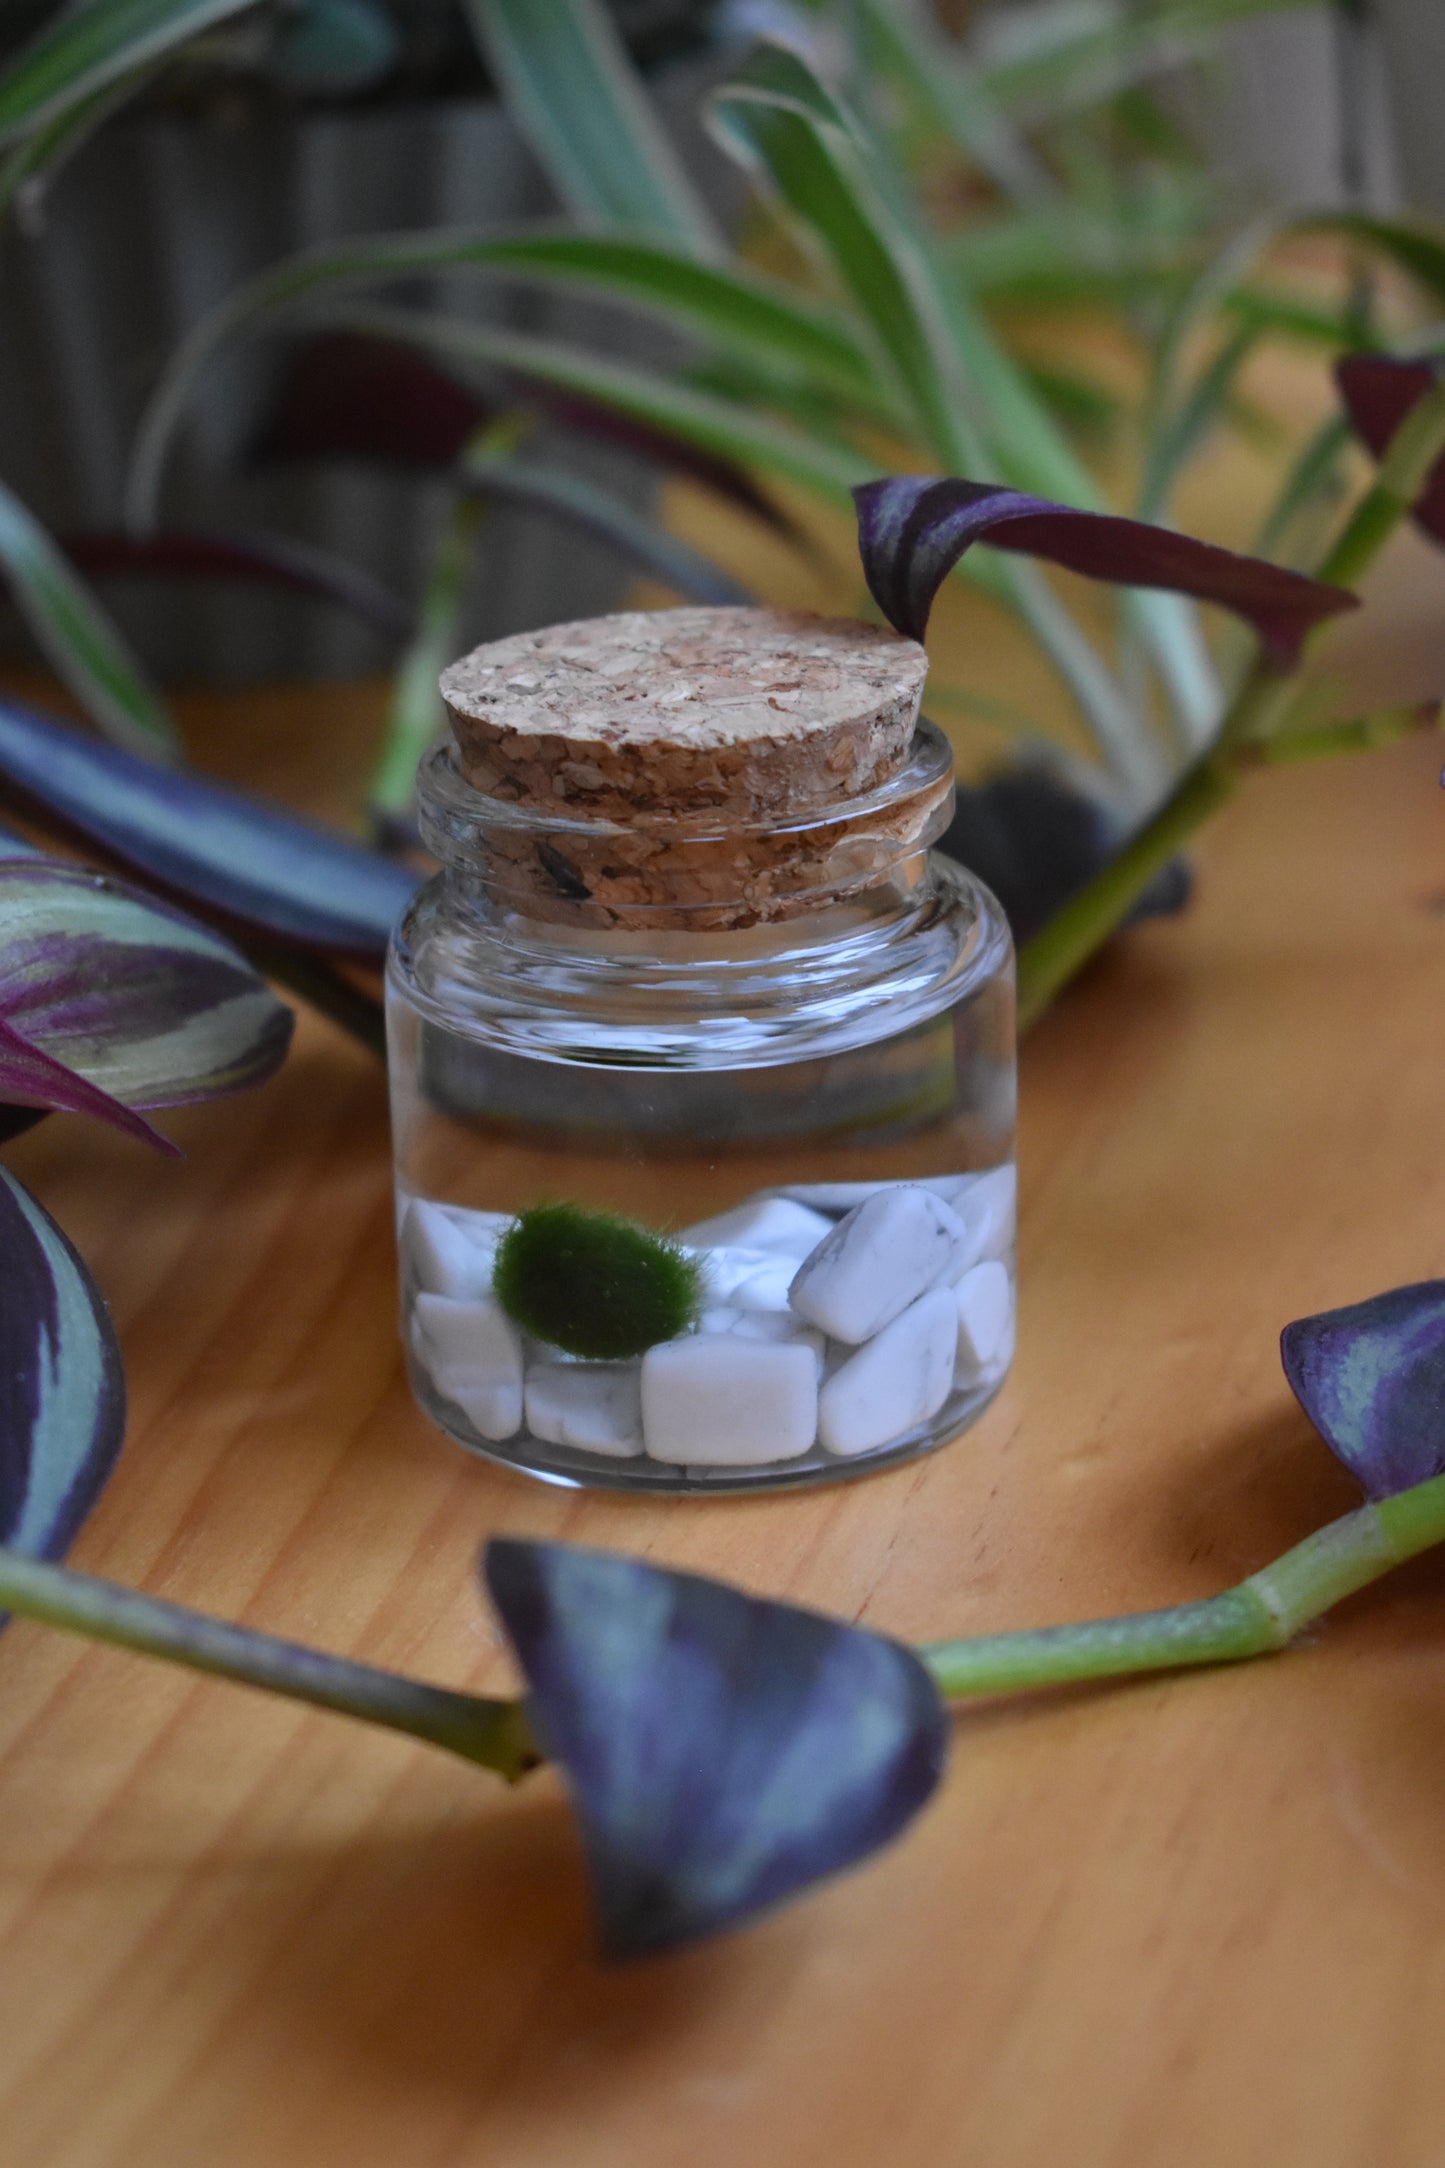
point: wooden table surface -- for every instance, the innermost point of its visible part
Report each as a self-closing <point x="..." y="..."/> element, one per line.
<point x="1198" y="1921"/>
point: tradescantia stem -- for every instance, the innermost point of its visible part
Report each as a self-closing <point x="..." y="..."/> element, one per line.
<point x="1261" y="707"/>
<point x="1259" y="1616"/>
<point x="492" y="1733"/>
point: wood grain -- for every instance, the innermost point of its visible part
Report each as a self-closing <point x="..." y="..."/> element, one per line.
<point x="1197" y="1921"/>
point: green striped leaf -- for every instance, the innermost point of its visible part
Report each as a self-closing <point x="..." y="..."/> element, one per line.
<point x="84" y="49"/>
<point x="574" y="93"/>
<point x="78" y="639"/>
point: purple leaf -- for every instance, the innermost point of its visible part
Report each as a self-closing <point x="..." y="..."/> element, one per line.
<point x="1379" y="390"/>
<point x="270" y="560"/>
<point x="912" y="530"/>
<point x="32" y="1078"/>
<point x="1371" y="1378"/>
<point x="723" y="1752"/>
<point x="349" y="395"/>
<point x="139" y="1003"/>
<point x="251" y="864"/>
<point x="344" y="396"/>
<point x="62" y="1391"/>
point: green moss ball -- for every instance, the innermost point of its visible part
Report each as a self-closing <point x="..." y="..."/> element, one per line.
<point x="593" y="1284"/>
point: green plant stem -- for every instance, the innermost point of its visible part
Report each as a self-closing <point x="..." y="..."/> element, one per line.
<point x="1255" y="1618"/>
<point x="491" y="1733"/>
<point x="1261" y="706"/>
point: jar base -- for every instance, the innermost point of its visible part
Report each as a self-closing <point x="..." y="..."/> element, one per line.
<point x="568" y="1469"/>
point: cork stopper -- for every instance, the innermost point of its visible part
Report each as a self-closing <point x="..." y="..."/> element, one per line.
<point x="661" y="745"/>
<point x="749" y="714"/>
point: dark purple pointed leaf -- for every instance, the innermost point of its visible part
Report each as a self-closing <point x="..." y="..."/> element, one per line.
<point x="131" y="996"/>
<point x="252" y="557"/>
<point x="723" y="1752"/>
<point x="912" y="530"/>
<point x="1371" y="1378"/>
<point x="231" y="854"/>
<point x="1379" y="390"/>
<point x="62" y="1391"/>
<point x="350" y="395"/>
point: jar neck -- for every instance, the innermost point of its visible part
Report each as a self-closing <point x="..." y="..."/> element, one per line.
<point x="660" y="878"/>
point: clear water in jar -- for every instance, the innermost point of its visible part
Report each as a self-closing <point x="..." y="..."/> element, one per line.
<point x="849" y="1197"/>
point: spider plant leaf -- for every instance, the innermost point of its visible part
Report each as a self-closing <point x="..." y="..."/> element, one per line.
<point x="912" y="531"/>
<point x="572" y="89"/>
<point x="1065" y="60"/>
<point x="229" y="854"/>
<point x="736" y="311"/>
<point x="77" y="638"/>
<point x="62" y="1389"/>
<point x="130" y="995"/>
<point x="82" y="50"/>
<point x="723" y="1753"/>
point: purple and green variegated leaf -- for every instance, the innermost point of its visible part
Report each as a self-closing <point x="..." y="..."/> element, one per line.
<point x="217" y="848"/>
<point x="62" y="1390"/>
<point x="1379" y="390"/>
<point x="130" y="998"/>
<point x="913" y="529"/>
<point x="723" y="1752"/>
<point x="1371" y="1378"/>
<point x="253" y="557"/>
<point x="29" y="1077"/>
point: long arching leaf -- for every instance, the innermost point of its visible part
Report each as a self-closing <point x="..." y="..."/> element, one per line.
<point x="250" y="864"/>
<point x="62" y="1391"/>
<point x="574" y="93"/>
<point x="83" y="49"/>
<point x="77" y="637"/>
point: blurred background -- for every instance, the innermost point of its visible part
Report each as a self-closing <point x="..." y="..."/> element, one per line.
<point x="340" y="334"/>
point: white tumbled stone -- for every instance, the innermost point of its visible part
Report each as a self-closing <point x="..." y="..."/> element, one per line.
<point x="783" y="1330"/>
<point x="899" y="1380"/>
<point x="472" y="1353"/>
<point x="714" y="1400"/>
<point x="718" y="1318"/>
<point x="887" y="1252"/>
<point x="726" y="1268"/>
<point x="446" y="1257"/>
<point x="988" y="1205"/>
<point x="592" y="1407"/>
<point x="762" y="1223"/>
<point x="769" y="1289"/>
<point x="984" y="1298"/>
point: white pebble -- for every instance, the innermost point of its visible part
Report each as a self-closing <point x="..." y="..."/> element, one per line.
<point x="766" y="1290"/>
<point x="594" y="1407"/>
<point x="473" y="1354"/>
<point x="718" y="1319"/>
<point x="782" y="1331"/>
<point x="988" y="1206"/>
<point x="726" y="1268"/>
<point x="446" y="1257"/>
<point x="762" y="1223"/>
<point x="887" y="1252"/>
<point x="716" y="1401"/>
<point x="985" y="1321"/>
<point x="896" y="1382"/>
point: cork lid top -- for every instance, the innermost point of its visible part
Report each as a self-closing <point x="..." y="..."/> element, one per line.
<point x="747" y="712"/>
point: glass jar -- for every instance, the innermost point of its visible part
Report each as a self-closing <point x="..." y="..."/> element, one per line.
<point x="805" y="1086"/>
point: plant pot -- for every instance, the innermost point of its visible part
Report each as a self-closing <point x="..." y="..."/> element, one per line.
<point x="159" y="218"/>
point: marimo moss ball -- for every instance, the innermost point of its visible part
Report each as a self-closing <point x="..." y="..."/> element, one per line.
<point x="593" y="1284"/>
